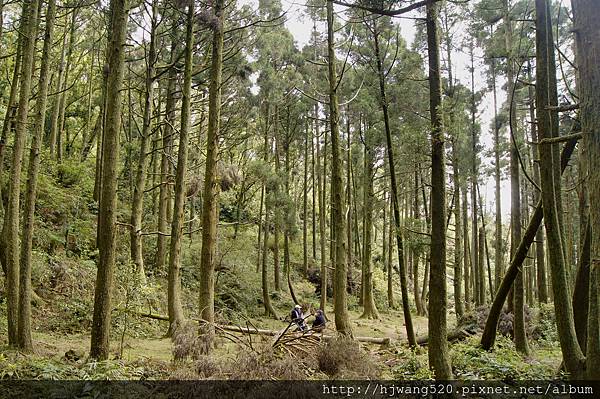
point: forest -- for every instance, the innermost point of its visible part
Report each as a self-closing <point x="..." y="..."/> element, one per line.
<point x="315" y="190"/>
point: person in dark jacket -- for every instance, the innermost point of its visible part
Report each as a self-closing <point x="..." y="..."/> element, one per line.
<point x="298" y="318"/>
<point x="319" y="324"/>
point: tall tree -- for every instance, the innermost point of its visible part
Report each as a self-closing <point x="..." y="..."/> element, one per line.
<point x="210" y="207"/>
<point x="587" y="36"/>
<point x="137" y="202"/>
<point x="176" y="315"/>
<point x="24" y="339"/>
<point x="438" y="342"/>
<point x="108" y="197"/>
<point x="342" y="321"/>
<point x="551" y="188"/>
<point x="29" y="23"/>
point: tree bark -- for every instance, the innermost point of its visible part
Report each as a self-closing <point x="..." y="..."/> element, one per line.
<point x="342" y="321"/>
<point x="586" y="14"/>
<point x="489" y="333"/>
<point x="175" y="307"/>
<point x="137" y="202"/>
<point x="107" y="216"/>
<point x="24" y="324"/>
<point x="551" y="189"/>
<point x="410" y="333"/>
<point x="369" y="308"/>
<point x="439" y="359"/>
<point x="164" y="202"/>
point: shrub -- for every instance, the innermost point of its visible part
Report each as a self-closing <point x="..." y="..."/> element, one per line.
<point x="265" y="364"/>
<point x="342" y="358"/>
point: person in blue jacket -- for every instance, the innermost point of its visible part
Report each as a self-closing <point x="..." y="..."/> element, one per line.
<point x="319" y="323"/>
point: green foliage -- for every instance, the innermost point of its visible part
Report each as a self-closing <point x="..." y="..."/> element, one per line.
<point x="503" y="363"/>
<point x="410" y="364"/>
<point x="545" y="328"/>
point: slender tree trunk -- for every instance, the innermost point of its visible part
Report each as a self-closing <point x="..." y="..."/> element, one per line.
<point x="390" y="268"/>
<point x="520" y="335"/>
<point x="342" y="321"/>
<point x="107" y="216"/>
<point x="321" y="195"/>
<point x="415" y="255"/>
<point x="210" y="208"/>
<point x="498" y="246"/>
<point x="458" y="255"/>
<point x="369" y="308"/>
<point x="167" y="148"/>
<point x="56" y="107"/>
<point x="269" y="309"/>
<point x="551" y="190"/>
<point x="137" y="203"/>
<point x="410" y="333"/>
<point x="28" y="25"/>
<point x="24" y="324"/>
<point x="466" y="253"/>
<point x="439" y="359"/>
<point x="542" y="284"/>
<point x="478" y="293"/>
<point x="586" y="14"/>
<point x="305" y="206"/>
<point x="489" y="333"/>
<point x="175" y="307"/>
<point x="60" y="139"/>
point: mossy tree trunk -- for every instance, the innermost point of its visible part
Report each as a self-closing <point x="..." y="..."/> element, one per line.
<point x="586" y="14"/>
<point x="24" y="325"/>
<point x="439" y="359"/>
<point x="175" y="307"/>
<point x="29" y="23"/>
<point x="137" y="202"/>
<point x="107" y="216"/>
<point x="342" y="321"/>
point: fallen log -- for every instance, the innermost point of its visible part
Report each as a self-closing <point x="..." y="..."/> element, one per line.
<point x="456" y="335"/>
<point x="272" y="333"/>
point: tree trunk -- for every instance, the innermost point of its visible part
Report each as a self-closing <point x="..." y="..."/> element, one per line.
<point x="24" y="324"/>
<point x="551" y="189"/>
<point x="369" y="308"/>
<point x="415" y="253"/>
<point x="164" y="202"/>
<point x="410" y="333"/>
<point x="586" y="14"/>
<point x="439" y="359"/>
<point x="478" y="292"/>
<point x="321" y="195"/>
<point x="176" y="316"/>
<point x="107" y="215"/>
<point x="466" y="254"/>
<point x="498" y="250"/>
<point x="29" y="22"/>
<point x="137" y="202"/>
<point x="458" y="259"/>
<point x="342" y="321"/>
<point x="489" y="333"/>
<point x="540" y="256"/>
<point x="54" y="119"/>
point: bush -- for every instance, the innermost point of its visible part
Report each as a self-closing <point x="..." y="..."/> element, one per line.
<point x="342" y="358"/>
<point x="503" y="363"/>
<point x="265" y="365"/>
<point x="545" y="325"/>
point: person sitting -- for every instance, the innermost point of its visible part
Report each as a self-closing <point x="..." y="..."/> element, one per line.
<point x="319" y="323"/>
<point x="298" y="318"/>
